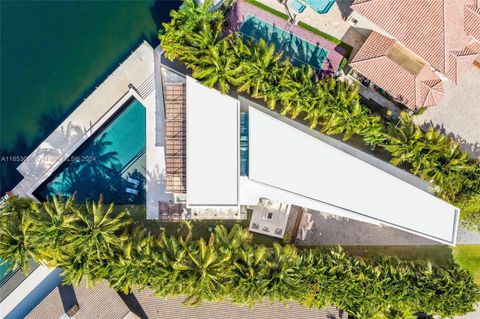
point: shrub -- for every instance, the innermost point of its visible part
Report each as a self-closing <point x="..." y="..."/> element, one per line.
<point x="94" y="242"/>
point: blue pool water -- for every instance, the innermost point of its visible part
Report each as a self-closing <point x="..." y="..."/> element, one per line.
<point x="296" y="5"/>
<point x="297" y="49"/>
<point x="3" y="270"/>
<point x="321" y="6"/>
<point x="105" y="162"/>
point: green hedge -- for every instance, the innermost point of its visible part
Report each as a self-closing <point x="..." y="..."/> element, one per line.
<point x="268" y="9"/>
<point x="93" y="242"/>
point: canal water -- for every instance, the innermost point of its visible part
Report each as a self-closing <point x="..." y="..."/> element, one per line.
<point x="53" y="53"/>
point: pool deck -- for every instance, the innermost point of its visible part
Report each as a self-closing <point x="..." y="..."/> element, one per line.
<point x="133" y="78"/>
<point x="242" y="9"/>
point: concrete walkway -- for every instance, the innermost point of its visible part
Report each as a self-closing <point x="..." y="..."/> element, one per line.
<point x="332" y="230"/>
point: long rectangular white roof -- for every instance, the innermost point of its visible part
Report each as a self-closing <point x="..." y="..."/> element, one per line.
<point x="212" y="147"/>
<point x="287" y="158"/>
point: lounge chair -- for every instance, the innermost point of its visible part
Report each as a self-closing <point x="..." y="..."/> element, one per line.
<point x="133" y="181"/>
<point x="131" y="191"/>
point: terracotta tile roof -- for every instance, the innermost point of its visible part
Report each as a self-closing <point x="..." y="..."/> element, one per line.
<point x="430" y="28"/>
<point x="472" y="21"/>
<point x="388" y="65"/>
<point x="461" y="61"/>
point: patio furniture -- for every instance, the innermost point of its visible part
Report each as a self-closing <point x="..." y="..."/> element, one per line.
<point x="131" y="191"/>
<point x="133" y="181"/>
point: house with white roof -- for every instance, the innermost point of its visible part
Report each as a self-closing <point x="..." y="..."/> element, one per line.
<point x="239" y="154"/>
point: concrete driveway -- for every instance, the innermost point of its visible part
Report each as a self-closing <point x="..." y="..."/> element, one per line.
<point x="458" y="114"/>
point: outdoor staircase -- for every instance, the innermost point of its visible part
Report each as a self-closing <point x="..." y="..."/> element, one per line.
<point x="147" y="87"/>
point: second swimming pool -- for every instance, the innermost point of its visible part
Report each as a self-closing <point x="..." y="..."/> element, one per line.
<point x="111" y="163"/>
<point x="300" y="51"/>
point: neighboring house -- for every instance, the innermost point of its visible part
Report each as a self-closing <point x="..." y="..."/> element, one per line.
<point x="413" y="46"/>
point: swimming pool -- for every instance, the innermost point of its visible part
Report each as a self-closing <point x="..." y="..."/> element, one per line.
<point x="321" y="6"/>
<point x="297" y="49"/>
<point x="4" y="270"/>
<point x="111" y="163"/>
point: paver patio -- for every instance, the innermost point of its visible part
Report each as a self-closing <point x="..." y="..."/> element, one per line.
<point x="333" y="23"/>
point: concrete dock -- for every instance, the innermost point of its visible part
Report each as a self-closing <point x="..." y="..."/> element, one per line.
<point x="133" y="77"/>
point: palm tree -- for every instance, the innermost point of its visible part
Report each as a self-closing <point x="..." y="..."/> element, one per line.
<point x="170" y="264"/>
<point x="99" y="232"/>
<point x="216" y="66"/>
<point x="17" y="244"/>
<point x="185" y="21"/>
<point x="404" y="141"/>
<point x="208" y="272"/>
<point x="296" y="90"/>
<point x="54" y="222"/>
<point x="318" y="106"/>
<point x="285" y="274"/>
<point x="130" y="268"/>
<point x="261" y="71"/>
<point x="251" y="279"/>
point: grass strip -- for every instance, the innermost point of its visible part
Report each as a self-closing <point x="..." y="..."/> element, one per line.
<point x="268" y="9"/>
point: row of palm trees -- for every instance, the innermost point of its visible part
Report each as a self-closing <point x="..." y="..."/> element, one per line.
<point x="95" y="242"/>
<point x="194" y="36"/>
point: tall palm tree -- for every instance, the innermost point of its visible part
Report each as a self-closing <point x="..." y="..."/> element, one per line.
<point x="216" y="66"/>
<point x="130" y="268"/>
<point x="186" y="21"/>
<point x="285" y="274"/>
<point x="54" y="222"/>
<point x="404" y="141"/>
<point x="296" y="90"/>
<point x="170" y="264"/>
<point x="251" y="280"/>
<point x="17" y="244"/>
<point x="319" y="105"/>
<point x="261" y="71"/>
<point x="208" y="272"/>
<point x="99" y="231"/>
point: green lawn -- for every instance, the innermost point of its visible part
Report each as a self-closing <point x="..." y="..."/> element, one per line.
<point x="468" y="256"/>
<point x="268" y="9"/>
<point x="440" y="255"/>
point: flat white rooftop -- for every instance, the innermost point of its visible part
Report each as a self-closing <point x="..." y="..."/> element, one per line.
<point x="212" y="147"/>
<point x="284" y="157"/>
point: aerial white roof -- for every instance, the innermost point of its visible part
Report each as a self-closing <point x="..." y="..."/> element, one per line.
<point x="292" y="160"/>
<point x="212" y="147"/>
